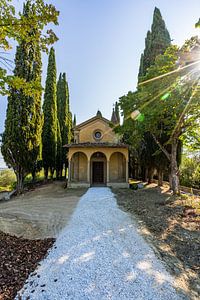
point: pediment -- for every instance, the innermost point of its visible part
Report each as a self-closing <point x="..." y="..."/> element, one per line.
<point x="92" y="121"/>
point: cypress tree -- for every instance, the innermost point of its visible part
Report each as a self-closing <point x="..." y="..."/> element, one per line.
<point x="74" y="121"/>
<point x="117" y="112"/>
<point x="64" y="115"/>
<point x="156" y="42"/>
<point x="49" y="131"/>
<point x="59" y="153"/>
<point x="145" y="57"/>
<point x="70" y="125"/>
<point x="21" y="139"/>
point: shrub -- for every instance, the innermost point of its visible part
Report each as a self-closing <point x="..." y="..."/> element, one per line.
<point x="7" y="179"/>
<point x="190" y="171"/>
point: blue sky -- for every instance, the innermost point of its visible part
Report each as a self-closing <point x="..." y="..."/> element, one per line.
<point x="100" y="43"/>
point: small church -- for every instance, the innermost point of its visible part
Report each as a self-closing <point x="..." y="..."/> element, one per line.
<point x="97" y="157"/>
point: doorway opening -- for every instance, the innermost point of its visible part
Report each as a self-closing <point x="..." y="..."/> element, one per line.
<point x="98" y="169"/>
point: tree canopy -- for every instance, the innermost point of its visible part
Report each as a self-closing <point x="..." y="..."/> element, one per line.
<point x="15" y="26"/>
<point x="22" y="137"/>
<point x="50" y="130"/>
<point x="166" y="102"/>
<point x="156" y="42"/>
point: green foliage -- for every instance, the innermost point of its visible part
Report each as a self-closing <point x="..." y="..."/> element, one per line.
<point x="64" y="116"/>
<point x="197" y="25"/>
<point x="14" y="26"/>
<point x="22" y="137"/>
<point x="59" y="160"/>
<point x="156" y="42"/>
<point x="117" y="112"/>
<point x="190" y="171"/>
<point x="49" y="131"/>
<point x="191" y="137"/>
<point x="133" y="186"/>
<point x="74" y="121"/>
<point x="167" y="119"/>
<point x="7" y="179"/>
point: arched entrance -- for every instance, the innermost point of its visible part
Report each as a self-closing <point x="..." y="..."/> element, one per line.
<point x="117" y="167"/>
<point x="78" y="167"/>
<point x="98" y="163"/>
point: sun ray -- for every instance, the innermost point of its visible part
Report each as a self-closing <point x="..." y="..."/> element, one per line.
<point x="197" y="85"/>
<point x="170" y="88"/>
<point x="169" y="73"/>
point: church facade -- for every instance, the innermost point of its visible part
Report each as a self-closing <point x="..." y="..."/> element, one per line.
<point x="97" y="157"/>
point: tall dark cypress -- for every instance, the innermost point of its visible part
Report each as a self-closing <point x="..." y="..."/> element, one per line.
<point x="59" y="161"/>
<point x="22" y="136"/>
<point x="64" y="115"/>
<point x="49" y="132"/>
<point x="117" y="112"/>
<point x="74" y="121"/>
<point x="156" y="42"/>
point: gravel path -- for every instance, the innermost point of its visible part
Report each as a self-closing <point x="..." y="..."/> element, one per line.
<point x="100" y="255"/>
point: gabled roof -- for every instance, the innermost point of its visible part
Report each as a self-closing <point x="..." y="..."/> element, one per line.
<point x="97" y="117"/>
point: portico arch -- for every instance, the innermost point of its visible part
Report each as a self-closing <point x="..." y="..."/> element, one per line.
<point x="78" y="165"/>
<point x="117" y="167"/>
<point x="98" y="169"/>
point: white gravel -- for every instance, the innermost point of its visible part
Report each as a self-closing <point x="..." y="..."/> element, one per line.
<point x="100" y="255"/>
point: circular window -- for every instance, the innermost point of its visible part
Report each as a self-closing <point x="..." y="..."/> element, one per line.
<point x="97" y="135"/>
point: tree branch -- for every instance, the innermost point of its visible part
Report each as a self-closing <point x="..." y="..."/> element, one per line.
<point x="161" y="147"/>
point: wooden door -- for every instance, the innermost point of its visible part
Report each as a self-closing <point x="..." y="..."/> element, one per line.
<point x="98" y="172"/>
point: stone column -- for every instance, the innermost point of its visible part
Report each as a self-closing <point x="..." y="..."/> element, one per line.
<point x="88" y="171"/>
<point x="108" y="171"/>
<point x="127" y="177"/>
<point x="69" y="171"/>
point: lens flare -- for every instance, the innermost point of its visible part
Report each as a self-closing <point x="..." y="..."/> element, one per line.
<point x="165" y="96"/>
<point x="169" y="73"/>
<point x="135" y="114"/>
<point x="140" y="118"/>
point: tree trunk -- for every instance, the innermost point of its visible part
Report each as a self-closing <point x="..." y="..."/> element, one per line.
<point x="58" y="174"/>
<point x="160" y="177"/>
<point x="174" y="169"/>
<point x="52" y="172"/>
<point x="20" y="180"/>
<point x="33" y="176"/>
<point x="170" y="180"/>
<point x="146" y="171"/>
<point x="61" y="172"/>
<point x="65" y="169"/>
<point x="46" y="174"/>
<point x="150" y="175"/>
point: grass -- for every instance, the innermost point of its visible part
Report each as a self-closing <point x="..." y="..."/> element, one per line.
<point x="8" y="179"/>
